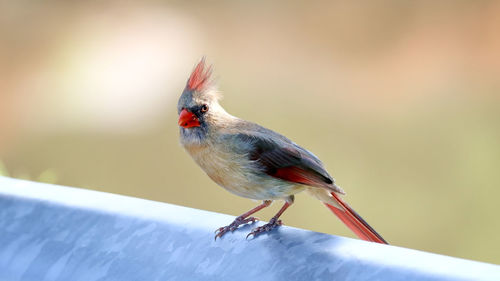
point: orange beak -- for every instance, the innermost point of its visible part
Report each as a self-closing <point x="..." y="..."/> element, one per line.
<point x="187" y="119"/>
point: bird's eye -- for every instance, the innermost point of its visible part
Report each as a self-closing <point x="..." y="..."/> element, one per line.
<point x="204" y="108"/>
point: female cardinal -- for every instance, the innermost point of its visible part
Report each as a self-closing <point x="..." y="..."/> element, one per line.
<point x="254" y="162"/>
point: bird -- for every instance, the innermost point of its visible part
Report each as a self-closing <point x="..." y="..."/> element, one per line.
<point x="254" y="162"/>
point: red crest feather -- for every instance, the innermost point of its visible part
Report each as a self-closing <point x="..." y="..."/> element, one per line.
<point x="200" y="78"/>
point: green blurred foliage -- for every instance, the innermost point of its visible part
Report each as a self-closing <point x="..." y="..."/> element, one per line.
<point x="3" y="170"/>
<point x="46" y="176"/>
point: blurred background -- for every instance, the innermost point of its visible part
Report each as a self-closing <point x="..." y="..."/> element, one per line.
<point x="400" y="99"/>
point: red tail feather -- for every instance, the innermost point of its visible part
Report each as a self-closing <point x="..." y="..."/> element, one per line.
<point x="355" y="222"/>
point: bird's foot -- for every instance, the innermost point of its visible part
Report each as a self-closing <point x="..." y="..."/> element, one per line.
<point x="273" y="223"/>
<point x="234" y="225"/>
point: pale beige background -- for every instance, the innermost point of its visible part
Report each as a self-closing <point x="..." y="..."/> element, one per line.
<point x="400" y="99"/>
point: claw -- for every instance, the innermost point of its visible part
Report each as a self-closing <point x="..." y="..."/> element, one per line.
<point x="218" y="235"/>
<point x="233" y="226"/>
<point x="251" y="233"/>
<point x="273" y="223"/>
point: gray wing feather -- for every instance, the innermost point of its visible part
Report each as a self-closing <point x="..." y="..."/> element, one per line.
<point x="274" y="151"/>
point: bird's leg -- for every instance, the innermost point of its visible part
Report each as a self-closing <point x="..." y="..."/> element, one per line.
<point x="274" y="221"/>
<point x="243" y="219"/>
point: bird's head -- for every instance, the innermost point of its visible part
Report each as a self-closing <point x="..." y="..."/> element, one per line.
<point x="198" y="106"/>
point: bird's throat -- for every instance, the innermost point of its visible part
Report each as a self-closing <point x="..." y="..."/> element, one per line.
<point x="195" y="136"/>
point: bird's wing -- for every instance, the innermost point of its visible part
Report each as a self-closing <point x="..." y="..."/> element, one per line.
<point x="278" y="157"/>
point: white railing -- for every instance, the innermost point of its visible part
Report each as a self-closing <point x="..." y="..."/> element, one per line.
<point x="50" y="232"/>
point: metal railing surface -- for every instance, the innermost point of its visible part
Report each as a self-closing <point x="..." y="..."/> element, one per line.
<point x="50" y="232"/>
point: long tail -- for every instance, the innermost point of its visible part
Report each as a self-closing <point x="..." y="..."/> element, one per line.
<point x="354" y="221"/>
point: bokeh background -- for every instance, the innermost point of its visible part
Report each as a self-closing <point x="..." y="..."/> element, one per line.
<point x="400" y="99"/>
